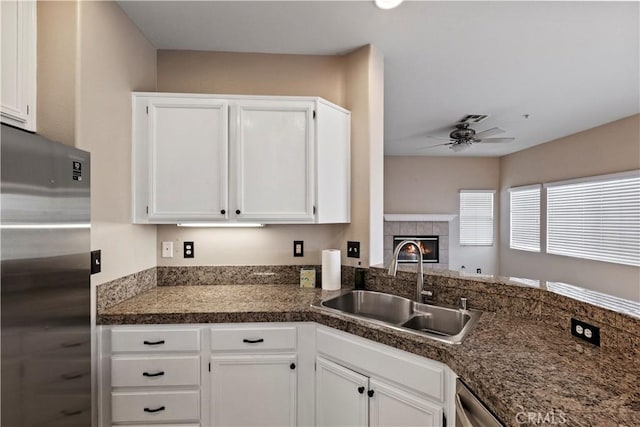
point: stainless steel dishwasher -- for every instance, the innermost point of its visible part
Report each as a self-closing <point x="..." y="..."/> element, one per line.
<point x="470" y="411"/>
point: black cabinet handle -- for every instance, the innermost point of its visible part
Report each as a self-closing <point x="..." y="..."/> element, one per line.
<point x="292" y="366"/>
<point x="67" y="413"/>
<point x="370" y="393"/>
<point x="71" y="376"/>
<point x="360" y="389"/>
<point x="157" y="374"/>
<point x="70" y="344"/>
<point x="223" y="212"/>
<point x="154" y="410"/>
<point x="253" y="341"/>
<point x="237" y="211"/>
<point x="153" y="342"/>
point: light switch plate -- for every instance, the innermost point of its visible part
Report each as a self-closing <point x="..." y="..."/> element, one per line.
<point x="167" y="249"/>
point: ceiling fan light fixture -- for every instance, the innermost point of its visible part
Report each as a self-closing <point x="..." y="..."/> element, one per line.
<point x="460" y="146"/>
<point x="388" y="4"/>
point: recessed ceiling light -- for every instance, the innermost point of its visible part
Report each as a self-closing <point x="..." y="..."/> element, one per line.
<point x="388" y="4"/>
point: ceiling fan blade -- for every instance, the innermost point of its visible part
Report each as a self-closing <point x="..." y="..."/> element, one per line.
<point x="433" y="146"/>
<point x="441" y="138"/>
<point x="488" y="132"/>
<point x="492" y="140"/>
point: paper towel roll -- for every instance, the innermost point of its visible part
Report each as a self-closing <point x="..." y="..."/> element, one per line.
<point x="331" y="269"/>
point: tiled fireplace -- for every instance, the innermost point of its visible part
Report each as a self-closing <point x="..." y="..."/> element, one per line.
<point x="424" y="229"/>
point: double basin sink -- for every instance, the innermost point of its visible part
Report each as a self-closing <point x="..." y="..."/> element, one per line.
<point x="445" y="324"/>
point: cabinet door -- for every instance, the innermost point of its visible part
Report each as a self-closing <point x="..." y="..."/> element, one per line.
<point x="188" y="157"/>
<point x="274" y="160"/>
<point x="18" y="63"/>
<point x="390" y="406"/>
<point x="253" y="390"/>
<point x="341" y="396"/>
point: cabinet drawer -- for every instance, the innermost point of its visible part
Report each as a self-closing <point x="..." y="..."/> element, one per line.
<point x="153" y="407"/>
<point x="150" y="340"/>
<point x="253" y="338"/>
<point x="405" y="369"/>
<point x="155" y="371"/>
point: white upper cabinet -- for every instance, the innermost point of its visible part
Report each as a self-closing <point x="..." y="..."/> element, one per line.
<point x="202" y="158"/>
<point x="18" y="63"/>
<point x="183" y="143"/>
<point x="274" y="160"/>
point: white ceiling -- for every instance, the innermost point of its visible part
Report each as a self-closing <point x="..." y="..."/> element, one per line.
<point x="570" y="65"/>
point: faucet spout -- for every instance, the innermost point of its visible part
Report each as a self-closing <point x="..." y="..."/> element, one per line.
<point x="393" y="266"/>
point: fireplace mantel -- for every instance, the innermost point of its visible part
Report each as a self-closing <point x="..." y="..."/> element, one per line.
<point x="420" y="217"/>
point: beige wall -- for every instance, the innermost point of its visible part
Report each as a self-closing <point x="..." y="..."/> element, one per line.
<point x="56" y="70"/>
<point x="430" y="185"/>
<point x="251" y="74"/>
<point x="114" y="59"/>
<point x="376" y="157"/>
<point x="90" y="57"/>
<point x="343" y="80"/>
<point x="613" y="147"/>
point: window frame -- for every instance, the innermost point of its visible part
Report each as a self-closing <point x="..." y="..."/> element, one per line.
<point x="621" y="258"/>
<point x="477" y="242"/>
<point x="538" y="231"/>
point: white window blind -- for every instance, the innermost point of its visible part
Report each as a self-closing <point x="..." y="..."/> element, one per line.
<point x="476" y="217"/>
<point x="596" y="218"/>
<point x="525" y="218"/>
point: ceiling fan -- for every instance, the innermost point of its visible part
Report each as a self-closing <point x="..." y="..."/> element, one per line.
<point x="463" y="136"/>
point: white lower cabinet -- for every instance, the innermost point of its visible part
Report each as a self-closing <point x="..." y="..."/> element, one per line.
<point x="341" y="396"/>
<point x="264" y="374"/>
<point x="362" y="383"/>
<point x="150" y="376"/>
<point x="253" y="390"/>
<point x="348" y="398"/>
<point x="391" y="406"/>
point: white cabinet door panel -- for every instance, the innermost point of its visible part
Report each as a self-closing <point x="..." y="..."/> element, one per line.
<point x="274" y="160"/>
<point x="18" y="63"/>
<point x="341" y="396"/>
<point x="253" y="390"/>
<point x="392" y="407"/>
<point x="188" y="158"/>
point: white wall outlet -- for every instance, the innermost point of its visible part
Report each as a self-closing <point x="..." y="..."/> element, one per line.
<point x="167" y="249"/>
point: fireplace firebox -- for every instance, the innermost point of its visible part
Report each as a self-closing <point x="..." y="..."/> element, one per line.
<point x="428" y="246"/>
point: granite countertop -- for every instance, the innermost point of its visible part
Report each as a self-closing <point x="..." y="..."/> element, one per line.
<point x="514" y="364"/>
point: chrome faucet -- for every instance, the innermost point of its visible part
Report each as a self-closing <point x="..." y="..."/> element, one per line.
<point x="393" y="267"/>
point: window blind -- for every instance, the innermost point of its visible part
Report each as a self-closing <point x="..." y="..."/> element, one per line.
<point x="476" y="217"/>
<point x="596" y="218"/>
<point x="525" y="218"/>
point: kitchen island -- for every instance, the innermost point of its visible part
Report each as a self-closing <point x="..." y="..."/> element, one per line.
<point x="526" y="371"/>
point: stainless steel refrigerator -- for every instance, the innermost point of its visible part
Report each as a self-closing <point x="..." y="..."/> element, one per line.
<point x="45" y="282"/>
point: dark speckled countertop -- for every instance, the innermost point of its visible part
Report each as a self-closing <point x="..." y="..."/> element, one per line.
<point x="514" y="364"/>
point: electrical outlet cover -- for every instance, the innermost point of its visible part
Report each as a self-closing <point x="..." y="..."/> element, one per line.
<point x="189" y="249"/>
<point x="585" y="331"/>
<point x="353" y="249"/>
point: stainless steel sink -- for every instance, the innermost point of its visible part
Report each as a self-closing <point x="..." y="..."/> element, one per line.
<point x="444" y="324"/>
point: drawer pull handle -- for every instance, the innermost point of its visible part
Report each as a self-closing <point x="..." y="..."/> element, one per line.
<point x="154" y="410"/>
<point x="153" y="342"/>
<point x="71" y="376"/>
<point x="253" y="341"/>
<point x="361" y="390"/>
<point x="157" y="374"/>
<point x="67" y="413"/>
<point x="370" y="393"/>
<point x="70" y="344"/>
<point x="292" y="366"/>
